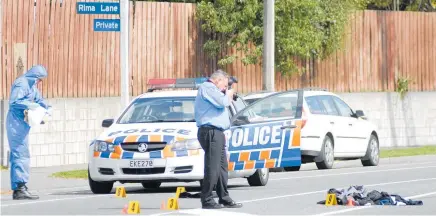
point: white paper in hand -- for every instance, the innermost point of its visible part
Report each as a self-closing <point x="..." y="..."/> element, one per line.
<point x="35" y="116"/>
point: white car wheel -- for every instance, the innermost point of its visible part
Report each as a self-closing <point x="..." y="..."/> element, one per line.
<point x="372" y="156"/>
<point x="259" y="178"/>
<point x="327" y="154"/>
<point x="99" y="187"/>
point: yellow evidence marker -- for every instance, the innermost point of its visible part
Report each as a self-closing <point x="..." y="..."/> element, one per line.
<point x="120" y="192"/>
<point x="133" y="208"/>
<point x="179" y="191"/>
<point x="173" y="203"/>
<point x="331" y="200"/>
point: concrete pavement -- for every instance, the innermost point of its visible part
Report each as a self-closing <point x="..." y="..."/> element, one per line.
<point x="286" y="193"/>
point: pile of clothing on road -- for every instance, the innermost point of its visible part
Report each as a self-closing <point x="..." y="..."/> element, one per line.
<point x="360" y="196"/>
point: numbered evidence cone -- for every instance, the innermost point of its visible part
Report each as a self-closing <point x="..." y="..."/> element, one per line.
<point x="331" y="200"/>
<point x="133" y="208"/>
<point x="179" y="191"/>
<point x="173" y="203"/>
<point x="120" y="192"/>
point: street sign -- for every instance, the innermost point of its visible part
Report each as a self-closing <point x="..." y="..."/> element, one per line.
<point x="98" y="8"/>
<point x="107" y="25"/>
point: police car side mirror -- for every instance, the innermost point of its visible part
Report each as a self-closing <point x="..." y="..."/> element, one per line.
<point x="359" y="113"/>
<point x="107" y="123"/>
<point x="241" y="120"/>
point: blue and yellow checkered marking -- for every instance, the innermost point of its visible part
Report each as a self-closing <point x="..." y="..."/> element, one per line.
<point x="268" y="158"/>
<point x="119" y="153"/>
<point x="242" y="160"/>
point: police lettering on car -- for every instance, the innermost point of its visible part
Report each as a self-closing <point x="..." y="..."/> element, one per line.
<point x="154" y="130"/>
<point x="256" y="137"/>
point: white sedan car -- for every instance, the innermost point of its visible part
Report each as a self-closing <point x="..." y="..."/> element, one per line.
<point x="331" y="129"/>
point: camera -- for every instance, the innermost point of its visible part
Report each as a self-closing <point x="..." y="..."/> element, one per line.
<point x="232" y="80"/>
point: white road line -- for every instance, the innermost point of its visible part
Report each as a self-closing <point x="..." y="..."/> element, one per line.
<point x="366" y="207"/>
<point x="210" y="212"/>
<point x="346" y="173"/>
<point x="62" y="199"/>
<point x="324" y="191"/>
<point x="55" y="200"/>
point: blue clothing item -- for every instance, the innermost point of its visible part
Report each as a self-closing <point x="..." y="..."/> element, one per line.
<point x="211" y="107"/>
<point x="24" y="95"/>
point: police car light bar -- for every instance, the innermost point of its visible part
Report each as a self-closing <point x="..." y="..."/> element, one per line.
<point x="175" y="83"/>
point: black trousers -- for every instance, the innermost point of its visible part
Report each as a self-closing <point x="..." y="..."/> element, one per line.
<point x="213" y="142"/>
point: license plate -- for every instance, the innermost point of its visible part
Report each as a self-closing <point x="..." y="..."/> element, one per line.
<point x="141" y="163"/>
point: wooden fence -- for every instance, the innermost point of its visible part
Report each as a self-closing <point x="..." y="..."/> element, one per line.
<point x="166" y="42"/>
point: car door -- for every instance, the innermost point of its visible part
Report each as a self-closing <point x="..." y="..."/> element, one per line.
<point x="339" y="126"/>
<point x="356" y="139"/>
<point x="263" y="137"/>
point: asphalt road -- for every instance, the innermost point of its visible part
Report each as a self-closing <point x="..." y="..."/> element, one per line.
<point x="285" y="194"/>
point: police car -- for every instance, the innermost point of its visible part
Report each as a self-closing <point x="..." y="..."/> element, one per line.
<point x="154" y="140"/>
<point x="331" y="129"/>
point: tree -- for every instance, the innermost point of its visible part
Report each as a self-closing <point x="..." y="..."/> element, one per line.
<point x="304" y="28"/>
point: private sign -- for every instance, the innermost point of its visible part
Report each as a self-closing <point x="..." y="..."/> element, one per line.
<point x="107" y="25"/>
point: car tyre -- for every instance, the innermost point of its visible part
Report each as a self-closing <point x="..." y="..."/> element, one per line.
<point x="292" y="169"/>
<point x="372" y="155"/>
<point x="99" y="187"/>
<point x="151" y="185"/>
<point x="259" y="178"/>
<point x="327" y="154"/>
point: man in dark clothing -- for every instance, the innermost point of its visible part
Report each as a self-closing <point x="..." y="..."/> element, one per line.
<point x="212" y="118"/>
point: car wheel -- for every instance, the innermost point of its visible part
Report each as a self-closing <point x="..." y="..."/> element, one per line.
<point x="151" y="185"/>
<point x="327" y="154"/>
<point x="259" y="178"/>
<point x="372" y="155"/>
<point x="290" y="169"/>
<point x="99" y="187"/>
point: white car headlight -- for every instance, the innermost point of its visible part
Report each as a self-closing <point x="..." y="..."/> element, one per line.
<point x="102" y="146"/>
<point x="189" y="144"/>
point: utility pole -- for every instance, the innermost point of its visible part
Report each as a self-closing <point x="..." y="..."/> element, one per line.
<point x="268" y="45"/>
<point x="124" y="53"/>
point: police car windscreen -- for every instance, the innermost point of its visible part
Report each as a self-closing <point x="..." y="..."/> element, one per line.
<point x="147" y="110"/>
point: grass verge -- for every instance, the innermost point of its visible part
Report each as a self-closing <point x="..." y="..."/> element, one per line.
<point x="73" y="174"/>
<point x="413" y="151"/>
<point x="384" y="153"/>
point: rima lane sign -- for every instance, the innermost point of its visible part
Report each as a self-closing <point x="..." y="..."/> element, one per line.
<point x="101" y="8"/>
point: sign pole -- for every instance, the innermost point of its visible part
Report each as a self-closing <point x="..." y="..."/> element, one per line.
<point x="124" y="52"/>
<point x="268" y="45"/>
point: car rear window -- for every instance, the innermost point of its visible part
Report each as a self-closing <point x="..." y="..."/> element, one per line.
<point x="314" y="105"/>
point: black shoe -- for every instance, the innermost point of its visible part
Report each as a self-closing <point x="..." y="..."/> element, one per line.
<point x="212" y="206"/>
<point x="231" y="204"/>
<point x="21" y="193"/>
